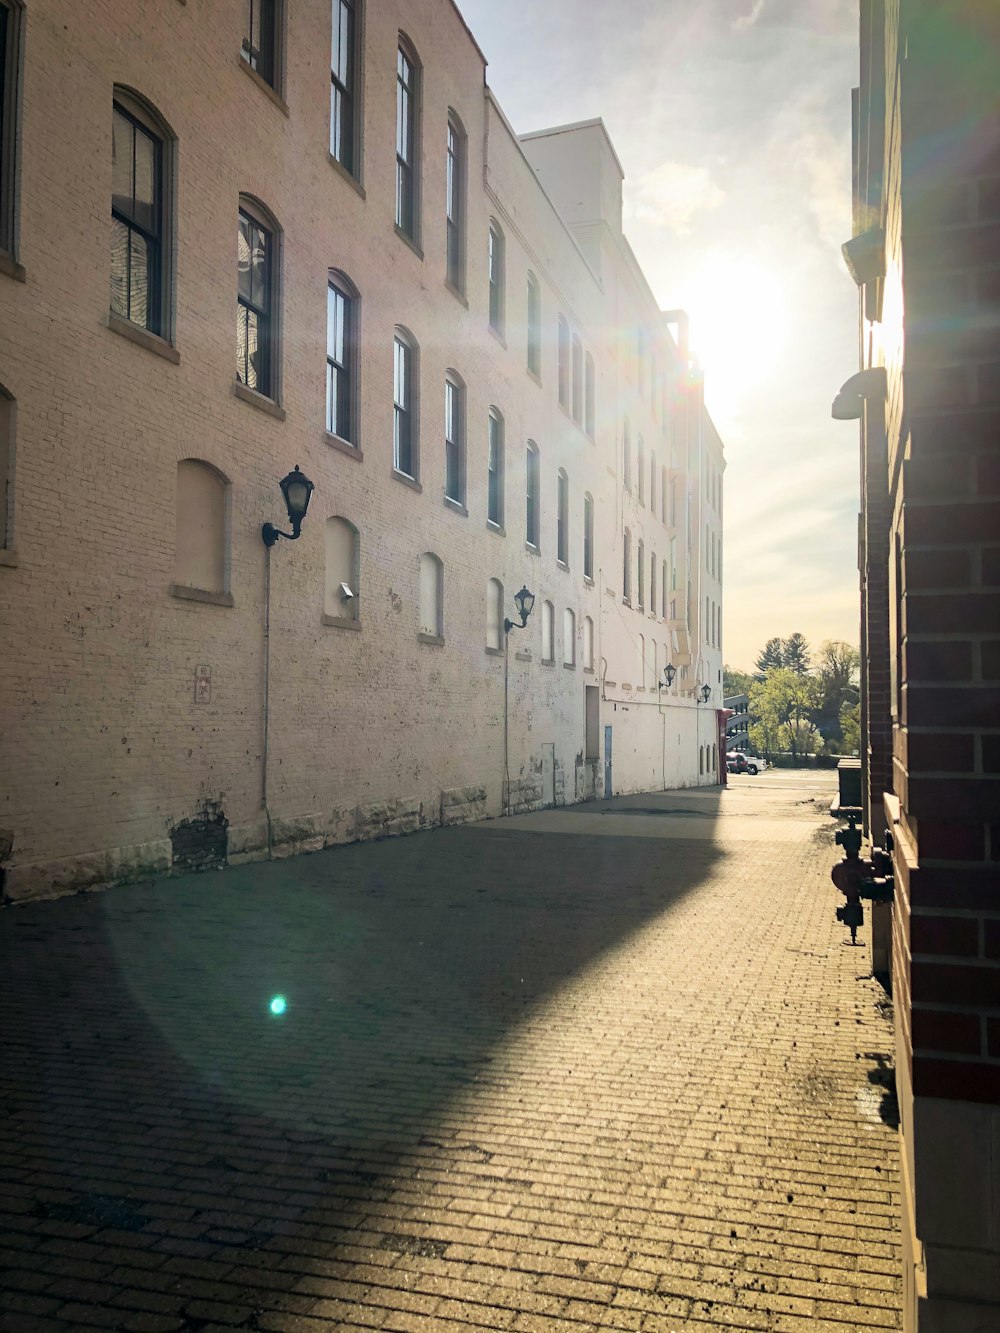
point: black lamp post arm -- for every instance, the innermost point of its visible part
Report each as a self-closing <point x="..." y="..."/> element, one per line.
<point x="271" y="534"/>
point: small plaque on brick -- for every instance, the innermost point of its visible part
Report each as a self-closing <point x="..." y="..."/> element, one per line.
<point x="203" y="684"/>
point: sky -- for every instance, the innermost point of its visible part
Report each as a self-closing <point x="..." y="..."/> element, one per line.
<point x="732" y="120"/>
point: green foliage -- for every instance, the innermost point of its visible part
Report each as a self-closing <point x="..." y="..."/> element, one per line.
<point x="795" y="654"/>
<point x="850" y="728"/>
<point x="782" y="707"/>
<point x="800" y="705"/>
<point x="735" y="681"/>
<point x="771" y="656"/>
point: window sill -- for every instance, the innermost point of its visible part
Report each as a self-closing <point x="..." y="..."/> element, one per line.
<point x="10" y="266"/>
<point x="456" y="505"/>
<point x="561" y="564"/>
<point x="200" y="595"/>
<point x="406" y="480"/>
<point x="351" y="180"/>
<point x="8" y="557"/>
<point x="532" y="549"/>
<point x="534" y="375"/>
<point x="344" y="446"/>
<point x="341" y="622"/>
<point x="259" y="400"/>
<point x="588" y="580"/>
<point x="626" y="601"/>
<point x="494" y="652"/>
<point x="588" y="671"/>
<point x="143" y="338"/>
<point x="569" y="666"/>
<point x="523" y="655"/>
<point x="498" y="335"/>
<point x="434" y="640"/>
<point x="410" y="241"/>
<point x="263" y="85"/>
<point x="457" y="293"/>
<point x="497" y="529"/>
<point x="548" y="661"/>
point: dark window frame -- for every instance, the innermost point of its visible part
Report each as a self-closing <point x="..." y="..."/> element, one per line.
<point x="154" y="235"/>
<point x="495" y="468"/>
<point x="345" y="86"/>
<point x="534" y="327"/>
<point x="533" y="472"/>
<point x="264" y="58"/>
<point x="496" y="272"/>
<point x="562" y="516"/>
<point x="405" y="417"/>
<point x="11" y="30"/>
<point x="343" y="373"/>
<point x="268" y="371"/>
<point x="455" y="203"/>
<point x="408" y="71"/>
<point x="454" y="438"/>
<point x="588" y="536"/>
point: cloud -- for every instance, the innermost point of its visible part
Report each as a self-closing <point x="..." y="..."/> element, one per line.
<point x="672" y="195"/>
<point x="748" y="20"/>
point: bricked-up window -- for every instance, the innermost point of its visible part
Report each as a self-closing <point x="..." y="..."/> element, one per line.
<point x="343" y="85"/>
<point x="6" y="467"/>
<point x="641" y="469"/>
<point x="588" y="537"/>
<point x="534" y="326"/>
<point x="641" y="589"/>
<point x="454" y="438"/>
<point x="139" y="271"/>
<point x="494" y="614"/>
<point x="563" y="363"/>
<point x="626" y="457"/>
<point x="407" y="144"/>
<point x="342" y="599"/>
<point x="10" y="17"/>
<point x="494" y="469"/>
<point x="404" y="441"/>
<point x="548" y="632"/>
<point x="257" y="291"/>
<point x="627" y="567"/>
<point x="589" y="423"/>
<point x="577" y="380"/>
<point x="455" y="203"/>
<point x="588" y="644"/>
<point x="569" y="637"/>
<point x="201" y="549"/>
<point x="533" y="470"/>
<point x="562" y="518"/>
<point x="495" y="263"/>
<point x="431" y="596"/>
<point x="261" y="32"/>
<point x="341" y="358"/>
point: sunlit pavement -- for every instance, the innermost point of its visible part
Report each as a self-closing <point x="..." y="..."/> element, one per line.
<point x="612" y="1066"/>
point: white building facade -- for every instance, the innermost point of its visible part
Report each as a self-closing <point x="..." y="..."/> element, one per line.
<point x="444" y="328"/>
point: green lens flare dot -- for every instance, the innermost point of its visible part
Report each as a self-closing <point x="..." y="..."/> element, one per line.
<point x="278" y="1005"/>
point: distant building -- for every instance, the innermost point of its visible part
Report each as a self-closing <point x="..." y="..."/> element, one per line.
<point x="925" y="253"/>
<point x="221" y="265"/>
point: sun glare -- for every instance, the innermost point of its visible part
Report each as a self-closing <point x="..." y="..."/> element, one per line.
<point x="737" y="312"/>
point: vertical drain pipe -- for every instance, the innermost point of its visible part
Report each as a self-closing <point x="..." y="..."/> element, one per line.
<point x="267" y="699"/>
<point x="506" y="745"/>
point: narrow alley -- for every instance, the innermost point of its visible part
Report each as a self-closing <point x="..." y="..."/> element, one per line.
<point x="611" y="1066"/>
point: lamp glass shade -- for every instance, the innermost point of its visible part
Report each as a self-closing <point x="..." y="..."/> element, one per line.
<point x="669" y="672"/>
<point x="706" y="690"/>
<point x="524" y="601"/>
<point x="296" y="488"/>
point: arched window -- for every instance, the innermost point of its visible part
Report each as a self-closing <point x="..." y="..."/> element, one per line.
<point x="344" y="85"/>
<point x="569" y="637"/>
<point x="588" y="644"/>
<point x="341" y="357"/>
<point x="589" y="423"/>
<point x="407" y="140"/>
<point x="663" y="589"/>
<point x="663" y="494"/>
<point x="455" y="203"/>
<point x="142" y="147"/>
<point x="708" y="622"/>
<point x="454" y="437"/>
<point x="641" y="467"/>
<point x="701" y="760"/>
<point x="548" y="632"/>
<point x="532" y="524"/>
<point x="201" y="554"/>
<point x="257" y="301"/>
<point x="562" y="517"/>
<point x="652" y="584"/>
<point x="588" y="537"/>
<point x="627" y="570"/>
<point x="563" y="331"/>
<point x="577" y="380"/>
<point x="431" y="627"/>
<point x="641" y="673"/>
<point x="494" y="468"/>
<point x="405" y="455"/>
<point x="626" y="457"/>
<point x="342" y="599"/>
<point x="496" y="265"/>
<point x="655" y="665"/>
<point x="642" y="576"/>
<point x="6" y="469"/>
<point x="652" y="481"/>
<point x="534" y="326"/>
<point x="494" y="614"/>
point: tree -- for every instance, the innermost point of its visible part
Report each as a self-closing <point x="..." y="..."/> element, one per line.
<point x="837" y="672"/>
<point x="795" y="653"/>
<point x="735" y="681"/>
<point x="772" y="655"/>
<point x="850" y="728"/>
<point x="782" y="706"/>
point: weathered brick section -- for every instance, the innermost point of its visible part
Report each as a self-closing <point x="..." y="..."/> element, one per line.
<point x="523" y="1082"/>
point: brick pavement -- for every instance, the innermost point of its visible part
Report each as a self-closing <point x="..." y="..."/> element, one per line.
<point x="604" y="1067"/>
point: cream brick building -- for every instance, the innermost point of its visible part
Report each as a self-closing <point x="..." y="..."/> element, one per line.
<point x="176" y="693"/>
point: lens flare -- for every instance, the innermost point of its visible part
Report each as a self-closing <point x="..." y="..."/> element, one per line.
<point x="278" y="1005"/>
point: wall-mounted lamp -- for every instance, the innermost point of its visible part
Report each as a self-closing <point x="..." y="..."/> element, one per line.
<point x="705" y="692"/>
<point x="669" y="672"/>
<point x="296" y="489"/>
<point x="524" y="601"/>
<point x="849" y="402"/>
